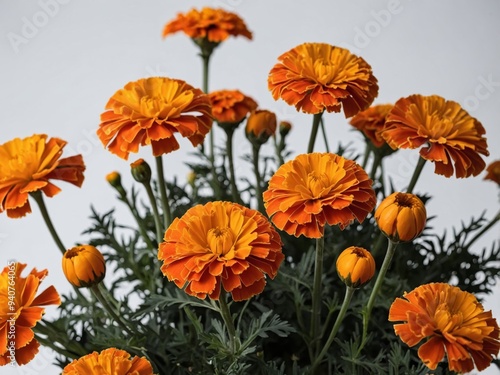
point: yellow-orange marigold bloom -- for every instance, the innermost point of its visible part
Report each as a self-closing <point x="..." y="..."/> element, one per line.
<point x="231" y="106"/>
<point x="20" y="310"/>
<point x="493" y="172"/>
<point x="110" y="361"/>
<point x="317" y="77"/>
<point x="27" y="165"/>
<point x="317" y="189"/>
<point x="355" y="266"/>
<point x="452" y="320"/>
<point x="221" y="244"/>
<point x="401" y="216"/>
<point x="151" y="111"/>
<point x="83" y="266"/>
<point x="449" y="133"/>
<point x="261" y="125"/>
<point x="371" y="122"/>
<point x="215" y="25"/>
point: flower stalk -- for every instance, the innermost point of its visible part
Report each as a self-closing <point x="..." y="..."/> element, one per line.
<point x="316" y="295"/>
<point x="416" y="174"/>
<point x="228" y="320"/>
<point x="162" y="186"/>
<point x="258" y="177"/>
<point x="314" y="131"/>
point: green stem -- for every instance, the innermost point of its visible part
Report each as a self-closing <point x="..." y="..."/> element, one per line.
<point x="368" y="151"/>
<point x="484" y="230"/>
<point x="377" y="160"/>
<point x="156" y="214"/>
<point x="278" y="148"/>
<point x="317" y="295"/>
<point x="323" y="131"/>
<point x="232" y="176"/>
<point x="162" y="186"/>
<point x="109" y="309"/>
<point x="416" y="174"/>
<point x="228" y="320"/>
<point x="314" y="131"/>
<point x="38" y="197"/>
<point x="340" y="317"/>
<point x="391" y="248"/>
<point x="258" y="178"/>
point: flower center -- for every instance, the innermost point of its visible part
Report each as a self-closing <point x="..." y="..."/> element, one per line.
<point x="220" y="240"/>
<point x="404" y="200"/>
<point x="317" y="183"/>
<point x="71" y="253"/>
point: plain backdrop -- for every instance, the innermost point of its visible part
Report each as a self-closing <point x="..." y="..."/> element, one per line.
<point x="61" y="60"/>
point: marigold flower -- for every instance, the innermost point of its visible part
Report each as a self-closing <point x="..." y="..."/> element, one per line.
<point x="401" y="216"/>
<point x="493" y="172"/>
<point x="450" y="134"/>
<point x="20" y="310"/>
<point x="221" y="244"/>
<point x="355" y="266"/>
<point x="261" y="124"/>
<point x="215" y="25"/>
<point x="83" y="266"/>
<point x="27" y="165"/>
<point x="110" y="361"/>
<point x="230" y="107"/>
<point x="317" y="189"/>
<point x="453" y="321"/>
<point x="371" y="122"/>
<point x="151" y="111"/>
<point x="317" y="77"/>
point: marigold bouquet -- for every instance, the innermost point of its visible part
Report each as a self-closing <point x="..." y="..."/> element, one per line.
<point x="313" y="264"/>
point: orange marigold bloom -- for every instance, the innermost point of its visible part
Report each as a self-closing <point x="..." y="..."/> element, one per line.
<point x="453" y="321"/>
<point x="401" y="216"/>
<point x="221" y="244"/>
<point x="27" y="165"/>
<point x="450" y="134"/>
<point x="110" y="361"/>
<point x="231" y="106"/>
<point x="317" y="77"/>
<point x="20" y="310"/>
<point x="371" y="121"/>
<point x="215" y="25"/>
<point x="83" y="266"/>
<point x="355" y="266"/>
<point x="149" y="112"/>
<point x="315" y="189"/>
<point x="493" y="172"/>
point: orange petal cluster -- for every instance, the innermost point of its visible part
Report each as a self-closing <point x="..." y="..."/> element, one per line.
<point x="355" y="266"/>
<point x="215" y="25"/>
<point x="110" y="361"/>
<point x="221" y="244"/>
<point x="231" y="106"/>
<point x="401" y="216"/>
<point x="27" y="165"/>
<point x="151" y="111"/>
<point x="317" y="77"/>
<point x="452" y="139"/>
<point x="317" y="189"/>
<point x="493" y="172"/>
<point x="20" y="310"/>
<point x="371" y="122"/>
<point x="454" y="323"/>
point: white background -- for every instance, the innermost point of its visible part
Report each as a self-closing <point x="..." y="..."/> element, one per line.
<point x="62" y="60"/>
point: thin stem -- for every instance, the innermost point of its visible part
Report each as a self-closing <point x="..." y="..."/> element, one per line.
<point x="391" y="248"/>
<point x="316" y="296"/>
<point x="368" y="151"/>
<point x="232" y="176"/>
<point x="258" y="178"/>
<point x="278" y="148"/>
<point x="162" y="186"/>
<point x="323" y="131"/>
<point x="314" y="131"/>
<point x="156" y="214"/>
<point x="416" y="174"/>
<point x="377" y="160"/>
<point x="484" y="230"/>
<point x="109" y="309"/>
<point x="340" y="317"/>
<point x="226" y="316"/>
<point x="38" y="197"/>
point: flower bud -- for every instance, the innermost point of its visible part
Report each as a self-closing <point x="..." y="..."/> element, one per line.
<point x="285" y="128"/>
<point x="83" y="266"/>
<point x="114" y="178"/>
<point x="261" y="124"/>
<point x="401" y="217"/>
<point x="493" y="172"/>
<point x="141" y="171"/>
<point x="355" y="266"/>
